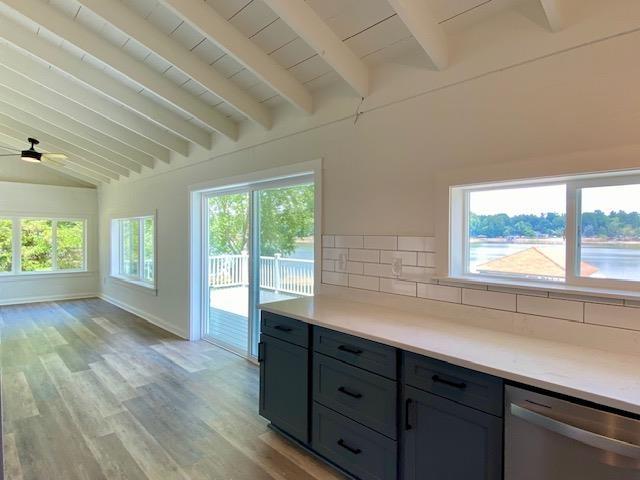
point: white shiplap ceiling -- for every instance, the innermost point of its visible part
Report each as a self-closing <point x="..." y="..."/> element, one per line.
<point x="137" y="106"/>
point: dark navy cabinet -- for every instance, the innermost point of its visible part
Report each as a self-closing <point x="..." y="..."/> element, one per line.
<point x="444" y="440"/>
<point x="284" y="385"/>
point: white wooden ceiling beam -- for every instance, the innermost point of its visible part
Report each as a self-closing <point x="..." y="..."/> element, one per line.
<point x="217" y="29"/>
<point x="13" y="138"/>
<point x="80" y="36"/>
<point x="423" y="25"/>
<point x="556" y="13"/>
<point x="133" y="145"/>
<point x="303" y="19"/>
<point x="103" y="157"/>
<point x="101" y="82"/>
<point x="94" y="109"/>
<point x="53" y="144"/>
<point x="123" y="155"/>
<point x="127" y="21"/>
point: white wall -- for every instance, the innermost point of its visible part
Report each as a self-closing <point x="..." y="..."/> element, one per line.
<point x="380" y="175"/>
<point x="51" y="201"/>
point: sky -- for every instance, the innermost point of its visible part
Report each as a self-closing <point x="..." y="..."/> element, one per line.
<point x="537" y="200"/>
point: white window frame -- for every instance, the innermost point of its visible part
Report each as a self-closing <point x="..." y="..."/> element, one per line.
<point x="458" y="265"/>
<point x="16" y="245"/>
<point x="116" y="252"/>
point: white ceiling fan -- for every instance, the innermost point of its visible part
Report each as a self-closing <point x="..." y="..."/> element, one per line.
<point x="31" y="155"/>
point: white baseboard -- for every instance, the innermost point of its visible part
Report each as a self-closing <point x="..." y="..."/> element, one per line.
<point x="46" y="298"/>
<point x="157" y="321"/>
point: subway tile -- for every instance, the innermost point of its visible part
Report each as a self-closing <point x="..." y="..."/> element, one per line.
<point x="417" y="244"/>
<point x="426" y="259"/>
<point x="328" y="265"/>
<point x="398" y="287"/>
<point x="586" y="298"/>
<point x="482" y="298"/>
<point x="408" y="258"/>
<point x="381" y="242"/>
<point x="632" y="303"/>
<point x="470" y="286"/>
<point x="440" y="293"/>
<point x="378" y="270"/>
<point x="335" y="278"/>
<point x="349" y="241"/>
<point x="519" y="291"/>
<point x="333" y="253"/>
<point x="360" y="255"/>
<point x="417" y="274"/>
<point x="612" y="316"/>
<point x="328" y="241"/>
<point x="352" y="267"/>
<point x="551" y="307"/>
<point x="366" y="283"/>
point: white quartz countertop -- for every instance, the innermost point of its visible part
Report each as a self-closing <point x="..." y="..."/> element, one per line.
<point x="599" y="376"/>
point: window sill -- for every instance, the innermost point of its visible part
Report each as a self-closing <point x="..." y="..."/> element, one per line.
<point x="12" y="277"/>
<point x="142" y="286"/>
<point x="542" y="287"/>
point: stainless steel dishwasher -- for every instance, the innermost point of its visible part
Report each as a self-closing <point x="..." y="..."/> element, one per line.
<point x="547" y="438"/>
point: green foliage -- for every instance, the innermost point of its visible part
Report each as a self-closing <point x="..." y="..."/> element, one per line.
<point x="286" y="215"/>
<point x="70" y="248"/>
<point x="615" y="225"/>
<point x="6" y="226"/>
<point x="36" y="244"/>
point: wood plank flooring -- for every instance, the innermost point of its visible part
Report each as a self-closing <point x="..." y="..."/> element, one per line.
<point x="92" y="392"/>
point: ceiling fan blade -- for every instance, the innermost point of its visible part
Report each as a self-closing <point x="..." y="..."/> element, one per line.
<point x="9" y="154"/>
<point x="54" y="156"/>
<point x="51" y="161"/>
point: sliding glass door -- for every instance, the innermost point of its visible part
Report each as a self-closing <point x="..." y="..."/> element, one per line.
<point x="260" y="248"/>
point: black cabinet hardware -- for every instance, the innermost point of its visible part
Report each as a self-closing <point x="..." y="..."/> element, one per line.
<point x="438" y="379"/>
<point x="348" y="349"/>
<point x="346" y="446"/>
<point x="407" y="407"/>
<point x="348" y="392"/>
<point x="283" y="328"/>
<point x="260" y="351"/>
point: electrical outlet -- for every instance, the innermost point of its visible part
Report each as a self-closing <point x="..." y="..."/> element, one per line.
<point x="342" y="261"/>
<point x="396" y="266"/>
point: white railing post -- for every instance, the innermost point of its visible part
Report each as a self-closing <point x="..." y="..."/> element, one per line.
<point x="276" y="268"/>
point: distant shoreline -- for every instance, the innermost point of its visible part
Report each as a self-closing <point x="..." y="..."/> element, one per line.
<point x="554" y="241"/>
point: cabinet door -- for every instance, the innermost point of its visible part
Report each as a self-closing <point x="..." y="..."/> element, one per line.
<point x="445" y="440"/>
<point x="284" y="386"/>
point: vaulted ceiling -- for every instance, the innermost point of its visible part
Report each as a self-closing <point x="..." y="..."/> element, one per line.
<point x="119" y="86"/>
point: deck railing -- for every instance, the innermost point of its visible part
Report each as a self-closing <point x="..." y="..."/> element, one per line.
<point x="287" y="275"/>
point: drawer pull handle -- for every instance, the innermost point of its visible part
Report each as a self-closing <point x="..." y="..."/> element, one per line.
<point x="407" y="421"/>
<point x="348" y="349"/>
<point x="346" y="446"/>
<point x="348" y="392"/>
<point x="460" y="385"/>
<point x="282" y="328"/>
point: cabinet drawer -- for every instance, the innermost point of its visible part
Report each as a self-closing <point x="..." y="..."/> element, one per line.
<point x="357" y="449"/>
<point x="360" y="395"/>
<point x="287" y="329"/>
<point x="372" y="356"/>
<point x="478" y="390"/>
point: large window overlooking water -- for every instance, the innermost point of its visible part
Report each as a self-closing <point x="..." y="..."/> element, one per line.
<point x="583" y="230"/>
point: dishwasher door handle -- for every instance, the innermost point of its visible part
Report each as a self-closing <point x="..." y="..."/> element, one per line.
<point x="586" y="437"/>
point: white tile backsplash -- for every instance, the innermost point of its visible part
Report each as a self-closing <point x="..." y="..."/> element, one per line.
<point x="408" y="258"/>
<point x="398" y="287"/>
<point x="361" y="255"/>
<point x="551" y="307"/>
<point x="612" y="316"/>
<point x="487" y="299"/>
<point x="381" y="242"/>
<point x="417" y="244"/>
<point x="349" y="241"/>
<point x="368" y="267"/>
<point x="366" y="283"/>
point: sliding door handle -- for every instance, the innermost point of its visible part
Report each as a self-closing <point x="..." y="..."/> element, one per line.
<point x="585" y="437"/>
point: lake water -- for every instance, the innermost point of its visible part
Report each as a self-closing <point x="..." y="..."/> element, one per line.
<point x="619" y="261"/>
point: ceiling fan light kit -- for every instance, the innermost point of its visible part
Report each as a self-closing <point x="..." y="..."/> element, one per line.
<point x="31" y="155"/>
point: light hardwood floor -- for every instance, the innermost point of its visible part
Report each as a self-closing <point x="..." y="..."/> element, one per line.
<point x="90" y="391"/>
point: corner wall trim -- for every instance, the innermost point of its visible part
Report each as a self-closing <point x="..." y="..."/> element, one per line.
<point x="46" y="298"/>
<point x="157" y="321"/>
